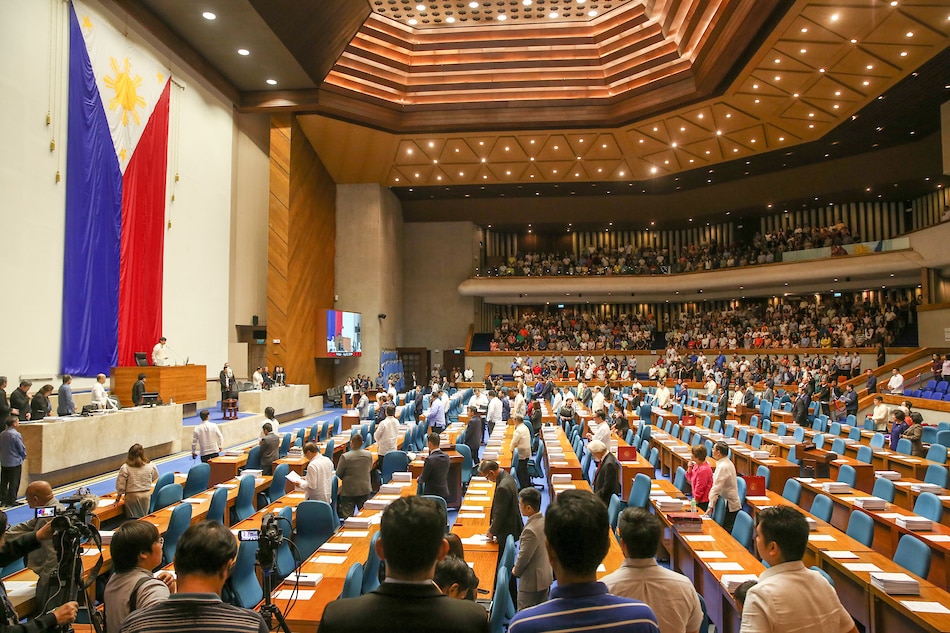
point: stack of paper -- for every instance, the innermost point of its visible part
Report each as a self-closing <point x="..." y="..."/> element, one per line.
<point x="681" y="448"/>
<point x="234" y="452"/>
<point x="895" y="583"/>
<point x="305" y="580"/>
<point x="335" y="547"/>
<point x="487" y="454"/>
<point x="257" y="472"/>
<point x="295" y="478"/>
<point x="106" y="536"/>
<point x="870" y="503"/>
<point x="357" y="523"/>
<point x="788" y="439"/>
<point x="730" y="440"/>
<point x="922" y="487"/>
<point x="836" y="487"/>
<point x="560" y="479"/>
<point x="812" y="524"/>
<point x="759" y="454"/>
<point x="402" y="477"/>
<point x="668" y="504"/>
<point x="227" y="486"/>
<point x="686" y="522"/>
<point x="376" y="504"/>
<point x="849" y="441"/>
<point x="893" y="475"/>
<point x="732" y="581"/>
<point x="391" y="488"/>
<point x="915" y="523"/>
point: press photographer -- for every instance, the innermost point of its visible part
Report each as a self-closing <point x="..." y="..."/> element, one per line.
<point x="64" y="614"/>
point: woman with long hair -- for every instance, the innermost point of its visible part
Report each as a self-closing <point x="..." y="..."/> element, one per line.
<point x="134" y="481"/>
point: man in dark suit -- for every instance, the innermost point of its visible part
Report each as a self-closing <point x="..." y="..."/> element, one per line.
<point x="607" y="475"/>
<point x="20" y="400"/>
<point x="435" y="472"/>
<point x="800" y="409"/>
<point x="474" y="431"/>
<point x="505" y="516"/>
<point x="872" y="381"/>
<point x="353" y="470"/>
<point x="138" y="391"/>
<point x="411" y="541"/>
<point x="270" y="449"/>
<point x="417" y="410"/>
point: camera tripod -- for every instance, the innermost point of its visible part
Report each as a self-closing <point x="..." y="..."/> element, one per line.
<point x="269" y="610"/>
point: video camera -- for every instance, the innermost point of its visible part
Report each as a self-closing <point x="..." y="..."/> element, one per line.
<point x="268" y="539"/>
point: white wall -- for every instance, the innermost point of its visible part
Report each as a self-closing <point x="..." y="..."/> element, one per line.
<point x="368" y="270"/>
<point x="436" y="259"/>
<point x="197" y="245"/>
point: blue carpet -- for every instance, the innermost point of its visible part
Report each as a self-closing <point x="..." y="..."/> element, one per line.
<point x="179" y="462"/>
<point x="215" y="415"/>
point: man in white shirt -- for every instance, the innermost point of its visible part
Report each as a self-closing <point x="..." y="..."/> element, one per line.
<point x="518" y="404"/>
<point x="597" y="404"/>
<point x="711" y="386"/>
<point x="468" y="374"/>
<point x="318" y="486"/>
<point x="600" y="430"/>
<point x="160" y="353"/>
<point x="671" y="595"/>
<point x="493" y="416"/>
<point x="207" y="440"/>
<point x="724" y="485"/>
<point x="258" y="379"/>
<point x="896" y="384"/>
<point x="521" y="440"/>
<point x="99" y="396"/>
<point x="387" y="432"/>
<point x="663" y="396"/>
<point x="789" y="597"/>
<point x="879" y="414"/>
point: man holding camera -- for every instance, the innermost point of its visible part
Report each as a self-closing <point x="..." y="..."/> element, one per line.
<point x="43" y="563"/>
<point x="9" y="552"/>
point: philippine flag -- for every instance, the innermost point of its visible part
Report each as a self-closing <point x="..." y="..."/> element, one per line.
<point x="116" y="164"/>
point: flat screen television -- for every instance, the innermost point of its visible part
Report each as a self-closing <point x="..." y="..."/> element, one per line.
<point x="340" y="335"/>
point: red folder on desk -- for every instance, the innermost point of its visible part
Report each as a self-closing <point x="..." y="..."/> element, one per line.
<point x="626" y="453"/>
<point x="754" y="486"/>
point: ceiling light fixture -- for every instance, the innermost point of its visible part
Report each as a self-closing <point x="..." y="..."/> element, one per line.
<point x="271" y="82"/>
<point x="243" y="52"/>
<point x="207" y="15"/>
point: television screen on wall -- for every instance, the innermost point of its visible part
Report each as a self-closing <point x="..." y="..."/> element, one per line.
<point x="343" y="334"/>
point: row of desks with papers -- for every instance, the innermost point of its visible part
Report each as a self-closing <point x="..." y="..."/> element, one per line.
<point x="717" y="564"/>
<point x="907" y="471"/>
<point x="850" y="564"/>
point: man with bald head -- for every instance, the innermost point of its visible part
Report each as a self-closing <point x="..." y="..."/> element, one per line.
<point x="39" y="494"/>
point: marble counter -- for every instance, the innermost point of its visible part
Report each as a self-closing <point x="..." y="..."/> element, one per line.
<point x="283" y="399"/>
<point x="65" y="449"/>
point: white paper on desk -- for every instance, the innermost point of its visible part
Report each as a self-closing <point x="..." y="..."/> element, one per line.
<point x="479" y="479"/>
<point x="711" y="554"/>
<point x="839" y="554"/>
<point x="287" y="594"/>
<point x="353" y="533"/>
<point x="227" y="486"/>
<point x="471" y="515"/>
<point x="915" y="461"/>
<point x="937" y="538"/>
<point x="861" y="567"/>
<point x="328" y="559"/>
<point x="730" y="566"/>
<point x="20" y="588"/>
<point x="90" y="551"/>
<point x="483" y="486"/>
<point x="474" y="499"/>
<point x="839" y="461"/>
<point x="769" y="461"/>
<point x="890" y="515"/>
<point x="193" y="500"/>
<point x="805" y="480"/>
<point x="468" y="508"/>
<point x="335" y="547"/>
<point x="904" y="484"/>
<point x="295" y="478"/>
<point x="104" y="503"/>
<point x="699" y="538"/>
<point x="821" y="537"/>
<point x="475" y="539"/>
<point x="921" y="606"/>
<point x="296" y="495"/>
<point x="758" y="499"/>
<point x="944" y="497"/>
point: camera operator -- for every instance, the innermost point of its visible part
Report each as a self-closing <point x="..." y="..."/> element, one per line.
<point x="136" y="550"/>
<point x="43" y="563"/>
<point x="9" y="552"/>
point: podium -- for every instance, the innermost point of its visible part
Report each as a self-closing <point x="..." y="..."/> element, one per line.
<point x="184" y="383"/>
<point x="815" y="462"/>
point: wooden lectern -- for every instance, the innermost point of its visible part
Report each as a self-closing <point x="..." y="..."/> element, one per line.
<point x="815" y="462"/>
<point x="183" y="383"/>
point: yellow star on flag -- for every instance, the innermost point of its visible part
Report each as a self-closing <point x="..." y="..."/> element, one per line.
<point x="160" y="77"/>
<point x="86" y="22"/>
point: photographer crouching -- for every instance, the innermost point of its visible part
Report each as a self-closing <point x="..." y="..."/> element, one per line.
<point x="9" y="552"/>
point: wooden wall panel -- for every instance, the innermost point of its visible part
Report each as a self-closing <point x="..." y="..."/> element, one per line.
<point x="301" y="242"/>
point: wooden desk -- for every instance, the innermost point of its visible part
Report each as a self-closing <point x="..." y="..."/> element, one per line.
<point x="181" y="383"/>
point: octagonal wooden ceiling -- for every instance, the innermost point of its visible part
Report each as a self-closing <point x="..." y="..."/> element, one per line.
<point x="819" y="66"/>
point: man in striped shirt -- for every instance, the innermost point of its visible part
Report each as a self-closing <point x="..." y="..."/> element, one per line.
<point x="580" y="603"/>
<point x="206" y="553"/>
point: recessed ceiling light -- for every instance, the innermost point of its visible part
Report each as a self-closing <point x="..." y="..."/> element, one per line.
<point x="854" y="41"/>
<point x="502" y="17"/>
<point x="870" y="66"/>
<point x="834" y="17"/>
<point x="450" y="19"/>
<point x="804" y="30"/>
<point x="420" y="7"/>
<point x="821" y="70"/>
<point x="271" y="82"/>
<point x="526" y="3"/>
<point x="903" y="53"/>
<point x="795" y="95"/>
<point x="592" y="14"/>
<point x="473" y="5"/>
<point x="552" y="14"/>
<point x="207" y="15"/>
<point x="909" y="34"/>
<point x="803" y="51"/>
<point x="866" y="83"/>
<point x="243" y="51"/>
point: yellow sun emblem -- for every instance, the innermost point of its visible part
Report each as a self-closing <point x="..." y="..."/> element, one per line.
<point x="126" y="97"/>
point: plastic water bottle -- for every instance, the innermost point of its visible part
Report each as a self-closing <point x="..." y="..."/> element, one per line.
<point x="692" y="505"/>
